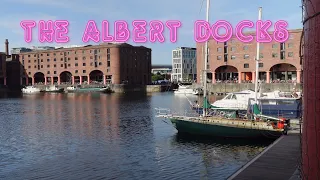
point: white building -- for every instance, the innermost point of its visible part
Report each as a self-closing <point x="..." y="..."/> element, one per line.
<point x="184" y="64"/>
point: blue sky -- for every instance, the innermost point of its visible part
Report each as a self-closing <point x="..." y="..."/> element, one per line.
<point x="79" y="12"/>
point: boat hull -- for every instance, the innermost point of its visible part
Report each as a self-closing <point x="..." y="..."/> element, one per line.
<point x="84" y="90"/>
<point x="61" y="90"/>
<point x="194" y="128"/>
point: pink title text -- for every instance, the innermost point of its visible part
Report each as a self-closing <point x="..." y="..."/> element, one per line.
<point x="57" y="31"/>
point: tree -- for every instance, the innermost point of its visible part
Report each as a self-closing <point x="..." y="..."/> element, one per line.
<point x="157" y="77"/>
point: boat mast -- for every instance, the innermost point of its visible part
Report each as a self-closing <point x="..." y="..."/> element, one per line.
<point x="205" y="64"/>
<point x="257" y="61"/>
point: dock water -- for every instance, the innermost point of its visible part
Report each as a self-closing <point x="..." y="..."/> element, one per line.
<point x="279" y="161"/>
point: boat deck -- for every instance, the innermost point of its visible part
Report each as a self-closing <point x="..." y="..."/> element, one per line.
<point x="279" y="161"/>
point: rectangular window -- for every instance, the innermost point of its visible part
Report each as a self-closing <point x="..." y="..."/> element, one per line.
<point x="290" y="45"/>
<point x="246" y="56"/>
<point x="261" y="55"/>
<point x="274" y="46"/>
<point x="246" y="65"/>
<point x="84" y="64"/>
<point x="260" y="64"/>
<point x="290" y="54"/>
<point x="233" y="57"/>
<point x="218" y="57"/>
<point x="233" y="48"/>
<point x="282" y="55"/>
<point x="219" y="49"/>
<point x="282" y="46"/>
<point x="108" y="64"/>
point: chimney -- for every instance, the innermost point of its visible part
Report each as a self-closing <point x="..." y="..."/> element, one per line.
<point x="7" y="47"/>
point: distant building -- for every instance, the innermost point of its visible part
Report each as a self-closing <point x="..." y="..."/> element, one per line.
<point x="13" y="72"/>
<point x="162" y="69"/>
<point x="2" y="68"/>
<point x="20" y="50"/>
<point x="184" y="64"/>
<point x="43" y="48"/>
<point x="234" y="61"/>
<point x="103" y="64"/>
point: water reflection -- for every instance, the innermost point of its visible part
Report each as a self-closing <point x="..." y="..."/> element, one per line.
<point x="90" y="136"/>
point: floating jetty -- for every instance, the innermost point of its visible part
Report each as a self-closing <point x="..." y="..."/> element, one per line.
<point x="280" y="160"/>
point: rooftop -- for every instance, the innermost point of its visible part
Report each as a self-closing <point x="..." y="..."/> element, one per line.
<point x="85" y="47"/>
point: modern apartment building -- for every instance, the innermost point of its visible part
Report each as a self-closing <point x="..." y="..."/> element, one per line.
<point x="184" y="64"/>
<point x="235" y="60"/>
<point x="104" y="63"/>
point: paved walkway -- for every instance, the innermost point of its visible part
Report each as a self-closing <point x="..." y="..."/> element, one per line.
<point x="279" y="161"/>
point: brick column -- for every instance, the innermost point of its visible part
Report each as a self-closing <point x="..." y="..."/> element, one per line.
<point x="80" y="80"/>
<point x="268" y="76"/>
<point x="298" y="76"/>
<point x="32" y="81"/>
<point x="72" y="80"/>
<point x="45" y="80"/>
<point x="88" y="78"/>
<point x="104" y="80"/>
<point x="239" y="77"/>
<point x="58" y="80"/>
<point x="52" y="80"/>
<point x="253" y="76"/>
<point x="213" y="78"/>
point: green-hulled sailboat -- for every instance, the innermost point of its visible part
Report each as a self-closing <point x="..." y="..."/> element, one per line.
<point x="221" y="123"/>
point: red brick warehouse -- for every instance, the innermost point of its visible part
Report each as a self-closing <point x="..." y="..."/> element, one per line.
<point x="236" y="60"/>
<point x="104" y="63"/>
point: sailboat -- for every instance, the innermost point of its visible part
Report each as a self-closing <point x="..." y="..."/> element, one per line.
<point x="232" y="124"/>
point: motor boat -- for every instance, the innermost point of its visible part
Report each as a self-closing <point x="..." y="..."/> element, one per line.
<point x="271" y="103"/>
<point x="240" y="99"/>
<point x="30" y="90"/>
<point x="54" y="89"/>
<point x="185" y="88"/>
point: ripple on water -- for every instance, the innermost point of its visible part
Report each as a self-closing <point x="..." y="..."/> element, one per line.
<point x="108" y="137"/>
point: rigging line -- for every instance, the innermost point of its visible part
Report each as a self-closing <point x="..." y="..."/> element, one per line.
<point x="201" y="7"/>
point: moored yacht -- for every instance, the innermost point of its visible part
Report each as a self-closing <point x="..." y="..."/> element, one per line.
<point x="186" y="88"/>
<point x="54" y="89"/>
<point x="30" y="90"/>
<point x="240" y="99"/>
<point x="274" y="103"/>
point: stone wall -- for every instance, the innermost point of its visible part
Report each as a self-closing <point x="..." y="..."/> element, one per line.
<point x="143" y="88"/>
